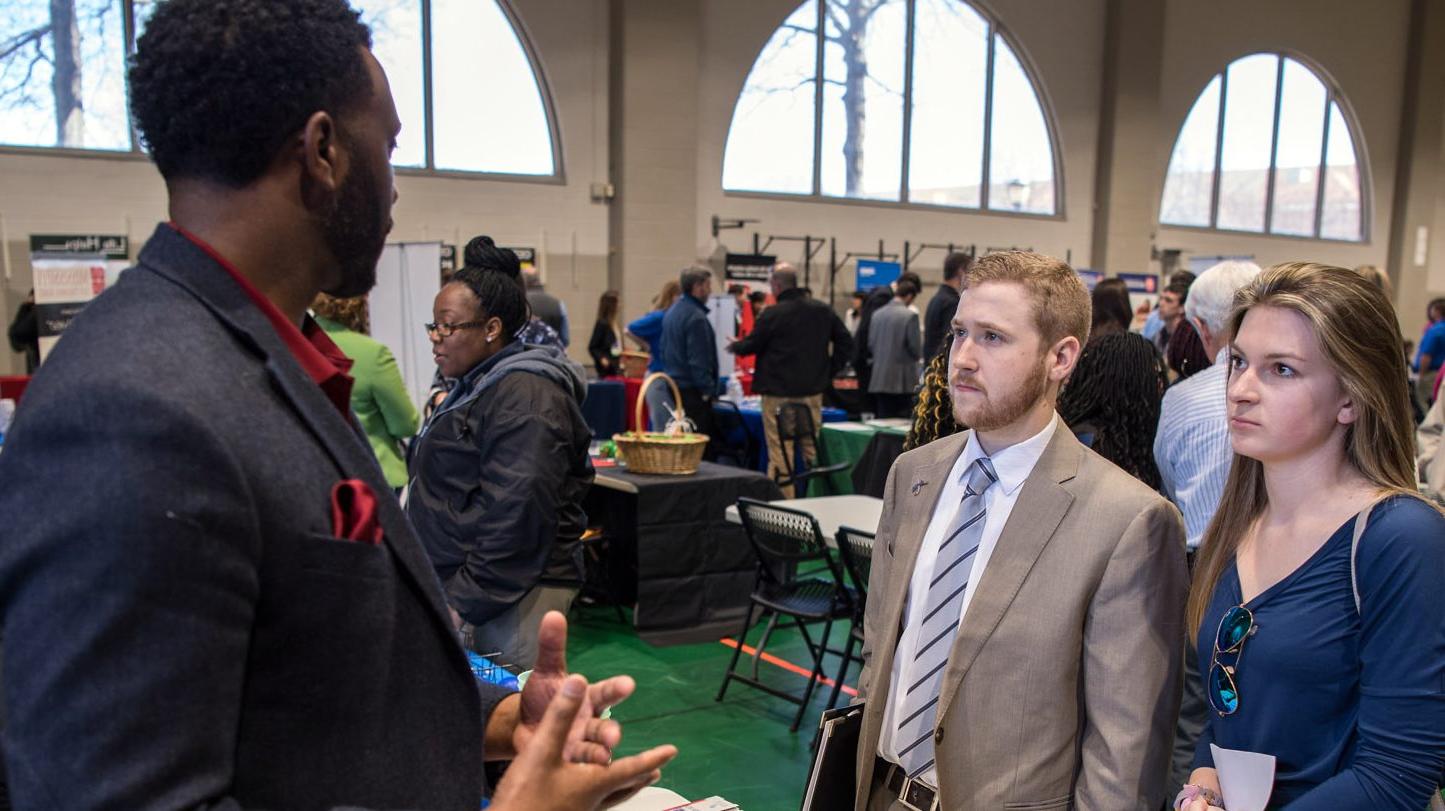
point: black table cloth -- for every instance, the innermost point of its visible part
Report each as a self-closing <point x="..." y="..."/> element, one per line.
<point x="673" y="553"/>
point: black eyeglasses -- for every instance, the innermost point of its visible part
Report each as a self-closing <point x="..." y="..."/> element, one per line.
<point x="1236" y="626"/>
<point x="446" y="330"/>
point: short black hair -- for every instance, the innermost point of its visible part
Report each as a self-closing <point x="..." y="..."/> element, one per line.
<point x="498" y="296"/>
<point x="217" y="87"/>
<point x="906" y="286"/>
<point x="957" y="263"/>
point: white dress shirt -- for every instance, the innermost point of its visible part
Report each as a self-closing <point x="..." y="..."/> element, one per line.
<point x="1192" y="446"/>
<point x="1013" y="465"/>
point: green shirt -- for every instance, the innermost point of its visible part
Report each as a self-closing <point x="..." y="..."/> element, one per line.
<point x="379" y="398"/>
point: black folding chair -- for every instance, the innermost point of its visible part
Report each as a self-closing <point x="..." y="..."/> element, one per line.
<point x="783" y="539"/>
<point x="734" y="442"/>
<point x="855" y="547"/>
<point x="795" y="425"/>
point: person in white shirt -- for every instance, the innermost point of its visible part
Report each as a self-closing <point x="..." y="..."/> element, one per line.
<point x="1024" y="623"/>
<point x="1192" y="451"/>
<point x="1191" y="446"/>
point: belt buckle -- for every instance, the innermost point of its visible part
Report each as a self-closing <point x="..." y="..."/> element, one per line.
<point x="906" y="800"/>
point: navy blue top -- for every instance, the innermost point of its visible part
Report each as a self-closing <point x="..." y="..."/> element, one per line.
<point x="689" y="350"/>
<point x="1352" y="705"/>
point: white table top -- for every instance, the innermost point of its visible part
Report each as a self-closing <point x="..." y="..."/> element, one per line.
<point x="652" y="798"/>
<point x="858" y="512"/>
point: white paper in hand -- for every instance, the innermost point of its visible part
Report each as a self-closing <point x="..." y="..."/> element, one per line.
<point x="1245" y="778"/>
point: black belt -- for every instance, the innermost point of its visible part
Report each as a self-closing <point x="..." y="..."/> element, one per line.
<point x="912" y="792"/>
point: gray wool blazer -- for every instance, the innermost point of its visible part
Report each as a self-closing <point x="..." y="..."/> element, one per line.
<point x="181" y="630"/>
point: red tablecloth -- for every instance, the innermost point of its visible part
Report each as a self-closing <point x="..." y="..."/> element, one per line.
<point x="12" y="386"/>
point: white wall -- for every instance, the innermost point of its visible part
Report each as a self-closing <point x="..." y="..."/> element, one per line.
<point x="644" y="93"/>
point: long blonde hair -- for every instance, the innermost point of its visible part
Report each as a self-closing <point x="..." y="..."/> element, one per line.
<point x="1356" y="328"/>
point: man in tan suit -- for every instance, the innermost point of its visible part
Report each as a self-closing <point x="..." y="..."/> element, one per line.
<point x="1024" y="616"/>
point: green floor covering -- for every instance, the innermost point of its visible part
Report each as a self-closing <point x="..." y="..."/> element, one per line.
<point x="739" y="748"/>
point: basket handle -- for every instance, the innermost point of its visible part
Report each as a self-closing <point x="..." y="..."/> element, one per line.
<point x="642" y="398"/>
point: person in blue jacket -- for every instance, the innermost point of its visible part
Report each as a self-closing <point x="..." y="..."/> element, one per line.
<point x="1320" y="628"/>
<point x="648" y="329"/>
<point x="689" y="349"/>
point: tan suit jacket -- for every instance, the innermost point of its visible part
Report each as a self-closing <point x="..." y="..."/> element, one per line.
<point x="1062" y="687"/>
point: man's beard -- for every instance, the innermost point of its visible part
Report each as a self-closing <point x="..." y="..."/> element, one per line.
<point x="998" y="414"/>
<point x="355" y="235"/>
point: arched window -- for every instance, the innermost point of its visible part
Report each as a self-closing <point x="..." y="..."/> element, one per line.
<point x="913" y="101"/>
<point x="502" y="126"/>
<point x="1267" y="148"/>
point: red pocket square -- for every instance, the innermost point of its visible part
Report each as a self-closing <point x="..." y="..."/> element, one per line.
<point x="353" y="512"/>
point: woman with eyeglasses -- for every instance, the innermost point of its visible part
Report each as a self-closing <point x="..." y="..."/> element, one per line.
<point x="499" y="470"/>
<point x="1316" y="601"/>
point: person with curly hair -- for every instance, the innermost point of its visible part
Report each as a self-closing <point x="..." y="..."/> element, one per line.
<point x="1112" y="402"/>
<point x="211" y="598"/>
<point x="379" y="398"/>
<point x="933" y="416"/>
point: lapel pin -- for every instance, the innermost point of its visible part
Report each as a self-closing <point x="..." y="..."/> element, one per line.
<point x="918" y="485"/>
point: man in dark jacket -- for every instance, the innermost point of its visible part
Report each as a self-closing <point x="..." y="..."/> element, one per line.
<point x="800" y="344"/>
<point x="941" y="307"/>
<point x="549" y="309"/>
<point x="689" y="349"/>
<point x="24" y="333"/>
<point x="209" y="597"/>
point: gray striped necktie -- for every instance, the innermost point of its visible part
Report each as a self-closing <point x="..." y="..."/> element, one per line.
<point x="939" y="622"/>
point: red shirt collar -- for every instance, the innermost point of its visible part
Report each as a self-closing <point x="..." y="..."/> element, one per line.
<point x="319" y="356"/>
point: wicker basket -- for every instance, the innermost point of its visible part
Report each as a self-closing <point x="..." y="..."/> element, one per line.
<point x="646" y="452"/>
<point x="634" y="364"/>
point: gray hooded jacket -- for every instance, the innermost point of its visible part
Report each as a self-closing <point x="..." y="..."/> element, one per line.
<point x="497" y="480"/>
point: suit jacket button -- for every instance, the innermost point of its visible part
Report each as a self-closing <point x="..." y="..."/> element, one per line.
<point x="938" y="735"/>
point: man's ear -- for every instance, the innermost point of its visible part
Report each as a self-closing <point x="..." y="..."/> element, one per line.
<point x="1062" y="357"/>
<point x="321" y="157"/>
<point x="1206" y="335"/>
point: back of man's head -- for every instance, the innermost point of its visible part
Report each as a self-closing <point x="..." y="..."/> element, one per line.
<point x="691" y="278"/>
<point x="1059" y="299"/>
<point x="956" y="265"/>
<point x="217" y="88"/>
<point x="906" y="288"/>
<point x="784" y="280"/>
<point x="1211" y="297"/>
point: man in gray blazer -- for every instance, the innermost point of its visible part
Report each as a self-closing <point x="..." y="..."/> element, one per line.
<point x="895" y="341"/>
<point x="1024" y="614"/>
<point x="209" y="597"/>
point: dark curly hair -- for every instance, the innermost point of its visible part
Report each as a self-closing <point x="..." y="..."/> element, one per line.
<point x="1115" y="392"/>
<point x="933" y="413"/>
<point x="217" y="86"/>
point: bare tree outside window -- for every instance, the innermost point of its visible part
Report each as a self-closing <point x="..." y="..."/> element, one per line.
<point x="61" y="74"/>
<point x="860" y="76"/>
